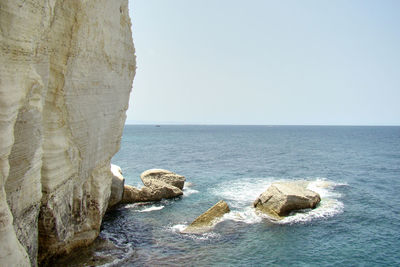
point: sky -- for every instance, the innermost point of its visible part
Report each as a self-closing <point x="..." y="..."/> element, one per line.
<point x="261" y="62"/>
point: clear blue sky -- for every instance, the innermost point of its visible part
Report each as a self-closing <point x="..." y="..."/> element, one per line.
<point x="266" y="62"/>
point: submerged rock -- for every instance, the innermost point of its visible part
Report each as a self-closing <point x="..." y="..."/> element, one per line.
<point x="283" y="197"/>
<point x="208" y="219"/>
<point x="117" y="186"/>
<point x="163" y="176"/>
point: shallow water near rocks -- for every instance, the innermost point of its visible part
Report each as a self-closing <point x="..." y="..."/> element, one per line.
<point x="356" y="170"/>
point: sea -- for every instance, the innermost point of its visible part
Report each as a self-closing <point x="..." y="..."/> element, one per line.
<point x="356" y="171"/>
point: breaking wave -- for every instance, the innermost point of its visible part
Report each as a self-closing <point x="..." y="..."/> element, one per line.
<point x="152" y="208"/>
<point x="187" y="190"/>
<point x="178" y="228"/>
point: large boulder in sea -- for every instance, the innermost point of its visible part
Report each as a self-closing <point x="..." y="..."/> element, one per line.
<point x="163" y="176"/>
<point x="155" y="191"/>
<point x="283" y="197"/>
<point x="117" y="186"/>
<point x="208" y="219"/>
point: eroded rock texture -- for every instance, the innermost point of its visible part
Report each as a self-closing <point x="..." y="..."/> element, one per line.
<point x="155" y="191"/>
<point x="117" y="186"/>
<point x="65" y="76"/>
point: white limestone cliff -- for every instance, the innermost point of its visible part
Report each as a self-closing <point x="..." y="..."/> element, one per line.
<point x="65" y="76"/>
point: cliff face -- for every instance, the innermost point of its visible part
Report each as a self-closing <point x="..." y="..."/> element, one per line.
<point x="65" y="76"/>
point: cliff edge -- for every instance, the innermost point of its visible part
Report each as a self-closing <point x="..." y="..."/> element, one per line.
<point x="65" y="76"/>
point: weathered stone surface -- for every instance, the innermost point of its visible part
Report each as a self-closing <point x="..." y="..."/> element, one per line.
<point x="117" y="186"/>
<point x="164" y="176"/>
<point x="66" y="73"/>
<point x="156" y="191"/>
<point x="283" y="197"/>
<point x="131" y="194"/>
<point x="208" y="219"/>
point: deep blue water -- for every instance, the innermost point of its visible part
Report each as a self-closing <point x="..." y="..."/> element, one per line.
<point x="355" y="169"/>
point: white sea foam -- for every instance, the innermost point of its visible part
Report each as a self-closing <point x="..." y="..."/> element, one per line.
<point x="152" y="208"/>
<point x="242" y="192"/>
<point x="187" y="190"/>
<point x="247" y="215"/>
<point x="324" y="188"/>
<point x="327" y="208"/>
<point x="178" y="228"/>
<point x="144" y="207"/>
<point x="240" y="195"/>
<point x="132" y="205"/>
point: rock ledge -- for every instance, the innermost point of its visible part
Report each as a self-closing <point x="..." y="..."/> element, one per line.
<point x="208" y="219"/>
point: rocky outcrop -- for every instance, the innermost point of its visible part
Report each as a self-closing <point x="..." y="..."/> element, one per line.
<point x="132" y="194"/>
<point x="163" y="176"/>
<point x="208" y="219"/>
<point x="117" y="186"/>
<point x="66" y="73"/>
<point x="283" y="197"/>
<point x="156" y="191"/>
<point x="159" y="184"/>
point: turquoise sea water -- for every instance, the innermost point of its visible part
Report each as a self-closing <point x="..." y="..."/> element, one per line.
<point x="356" y="170"/>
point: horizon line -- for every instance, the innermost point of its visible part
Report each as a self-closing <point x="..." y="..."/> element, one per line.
<point x="271" y="125"/>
